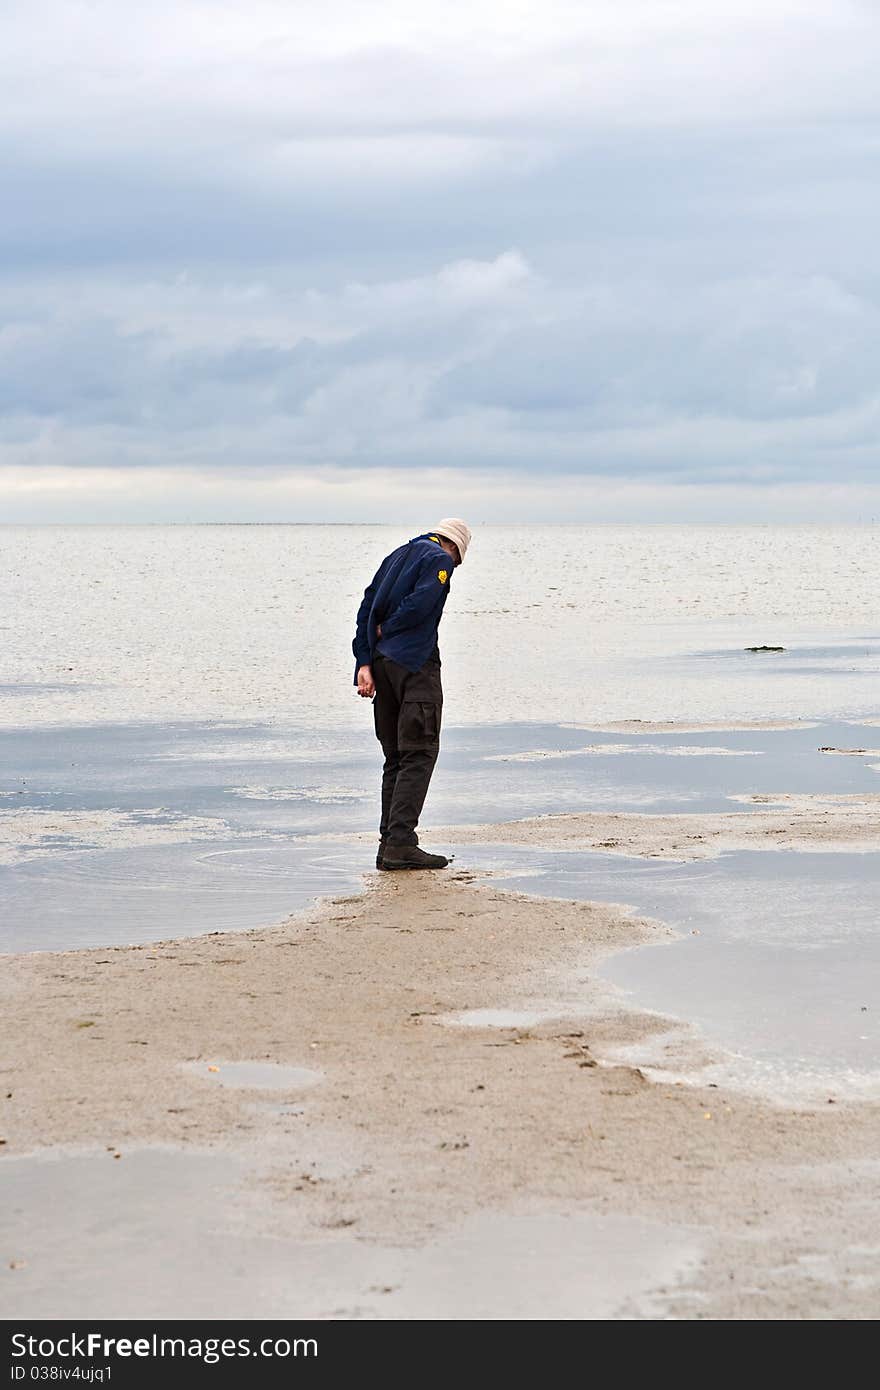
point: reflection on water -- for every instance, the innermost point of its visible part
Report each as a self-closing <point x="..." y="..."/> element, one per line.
<point x="261" y="1076"/>
<point x="135" y="833"/>
<point x="122" y="897"/>
<point x="778" y="961"/>
<point x="254" y="776"/>
<point x="104" y="623"/>
<point x="165" y="1233"/>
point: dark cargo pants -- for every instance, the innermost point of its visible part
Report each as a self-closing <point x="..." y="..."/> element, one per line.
<point x="407" y="709"/>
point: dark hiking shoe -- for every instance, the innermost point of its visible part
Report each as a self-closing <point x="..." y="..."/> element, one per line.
<point x="411" y="857"/>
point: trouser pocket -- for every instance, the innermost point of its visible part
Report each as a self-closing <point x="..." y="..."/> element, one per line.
<point x="419" y="725"/>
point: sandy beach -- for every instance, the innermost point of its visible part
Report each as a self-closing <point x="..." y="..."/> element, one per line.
<point x="452" y="430"/>
<point x="456" y="1136"/>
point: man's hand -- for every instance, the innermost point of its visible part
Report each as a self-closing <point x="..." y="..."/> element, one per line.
<point x="366" y="684"/>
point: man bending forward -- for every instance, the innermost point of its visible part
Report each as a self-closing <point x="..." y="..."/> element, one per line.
<point x="398" y="661"/>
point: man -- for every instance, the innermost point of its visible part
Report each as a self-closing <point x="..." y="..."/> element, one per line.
<point x="398" y="666"/>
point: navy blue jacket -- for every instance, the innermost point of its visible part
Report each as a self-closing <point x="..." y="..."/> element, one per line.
<point x="406" y="596"/>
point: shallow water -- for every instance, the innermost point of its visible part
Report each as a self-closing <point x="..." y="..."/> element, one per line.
<point x="140" y="833"/>
<point x="266" y="777"/>
<point x="261" y="1076"/>
<point x="88" y="1236"/>
<point x="124" y="897"/>
<point x="777" y="961"/>
<point x="117" y="624"/>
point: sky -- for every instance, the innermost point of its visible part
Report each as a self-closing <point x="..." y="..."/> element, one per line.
<point x="612" y="260"/>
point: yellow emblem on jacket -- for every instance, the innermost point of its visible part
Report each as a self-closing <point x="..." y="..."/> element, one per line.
<point x="443" y="576"/>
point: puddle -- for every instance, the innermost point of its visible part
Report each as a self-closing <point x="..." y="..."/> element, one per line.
<point x="122" y="897"/>
<point x="162" y="1233"/>
<point x="263" y="1076"/>
<point x="777" y="961"/>
<point x="146" y="1235"/>
<point x="559" y="1266"/>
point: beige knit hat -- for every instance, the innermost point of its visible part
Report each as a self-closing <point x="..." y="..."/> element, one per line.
<point x="454" y="529"/>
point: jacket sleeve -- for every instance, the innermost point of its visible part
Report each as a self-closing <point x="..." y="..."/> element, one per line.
<point x="361" y="644"/>
<point x="420" y="602"/>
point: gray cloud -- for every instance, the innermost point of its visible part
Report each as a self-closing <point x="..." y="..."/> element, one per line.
<point x="624" y="241"/>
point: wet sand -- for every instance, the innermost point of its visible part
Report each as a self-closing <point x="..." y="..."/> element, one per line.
<point x="790" y="821"/>
<point x="425" y="1158"/>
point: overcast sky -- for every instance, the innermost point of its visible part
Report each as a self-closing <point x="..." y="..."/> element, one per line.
<point x="511" y="259"/>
